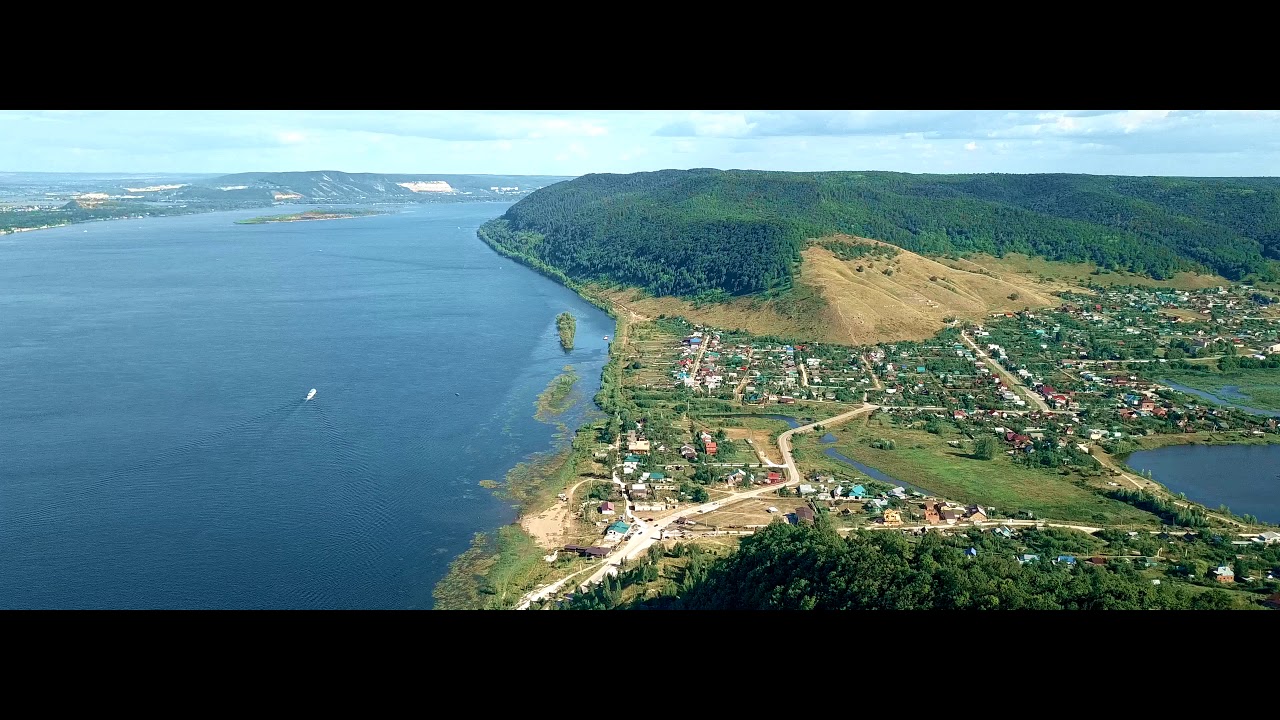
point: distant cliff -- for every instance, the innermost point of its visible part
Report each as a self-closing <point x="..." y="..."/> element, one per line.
<point x="332" y="186"/>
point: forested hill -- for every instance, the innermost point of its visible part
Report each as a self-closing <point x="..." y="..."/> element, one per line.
<point x="789" y="567"/>
<point x="691" y="232"/>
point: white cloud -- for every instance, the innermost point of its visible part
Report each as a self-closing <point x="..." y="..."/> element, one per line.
<point x="567" y="142"/>
<point x="574" y="150"/>
<point x="703" y="124"/>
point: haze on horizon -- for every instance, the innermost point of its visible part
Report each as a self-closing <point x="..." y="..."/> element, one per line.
<point x="576" y="142"/>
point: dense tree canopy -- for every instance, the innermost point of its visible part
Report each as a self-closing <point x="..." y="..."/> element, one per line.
<point x="803" y="567"/>
<point x="692" y="232"/>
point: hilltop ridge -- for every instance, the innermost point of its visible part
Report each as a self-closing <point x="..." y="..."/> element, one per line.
<point x="713" y="234"/>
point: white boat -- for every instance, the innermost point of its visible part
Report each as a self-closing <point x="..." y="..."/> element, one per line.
<point x="311" y="394"/>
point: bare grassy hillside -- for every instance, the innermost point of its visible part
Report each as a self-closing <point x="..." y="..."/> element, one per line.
<point x="834" y="302"/>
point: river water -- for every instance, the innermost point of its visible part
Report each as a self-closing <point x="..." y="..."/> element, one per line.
<point x="156" y="448"/>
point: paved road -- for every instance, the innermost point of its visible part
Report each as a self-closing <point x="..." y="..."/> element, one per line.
<point x="646" y="534"/>
<point x="1009" y="378"/>
<point x="987" y="524"/>
<point x="1146" y="360"/>
<point x="548" y="591"/>
<point x="1006" y="412"/>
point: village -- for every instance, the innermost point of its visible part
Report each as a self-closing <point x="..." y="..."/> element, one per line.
<point x="701" y="456"/>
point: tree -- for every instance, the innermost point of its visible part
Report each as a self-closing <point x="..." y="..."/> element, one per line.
<point x="984" y="448"/>
<point x="700" y="494"/>
<point x="702" y="475"/>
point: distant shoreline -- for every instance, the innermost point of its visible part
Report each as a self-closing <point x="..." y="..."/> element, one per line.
<point x="309" y="216"/>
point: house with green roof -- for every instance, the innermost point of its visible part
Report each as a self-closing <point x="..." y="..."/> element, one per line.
<point x="616" y="531"/>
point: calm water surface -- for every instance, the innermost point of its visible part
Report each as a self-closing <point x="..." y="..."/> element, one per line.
<point x="155" y="448"/>
<point x="834" y="454"/>
<point x="1230" y="397"/>
<point x="1245" y="478"/>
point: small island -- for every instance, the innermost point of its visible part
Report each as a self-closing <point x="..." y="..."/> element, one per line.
<point x="567" y="325"/>
<point x="309" y="215"/>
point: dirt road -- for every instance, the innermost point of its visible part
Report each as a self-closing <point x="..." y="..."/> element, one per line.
<point x="548" y="527"/>
<point x="1014" y="383"/>
<point x="784" y="440"/>
<point x="1142" y="483"/>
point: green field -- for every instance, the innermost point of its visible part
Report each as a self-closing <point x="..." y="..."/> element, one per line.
<point x="923" y="459"/>
<point x="1258" y="388"/>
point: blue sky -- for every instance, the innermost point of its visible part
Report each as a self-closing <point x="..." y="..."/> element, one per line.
<point x="545" y="142"/>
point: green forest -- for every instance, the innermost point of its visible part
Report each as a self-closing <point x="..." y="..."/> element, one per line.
<point x="811" y="567"/>
<point x="566" y="325"/>
<point x="712" y="233"/>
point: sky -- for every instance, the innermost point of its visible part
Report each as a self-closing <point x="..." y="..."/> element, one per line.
<point x="577" y="142"/>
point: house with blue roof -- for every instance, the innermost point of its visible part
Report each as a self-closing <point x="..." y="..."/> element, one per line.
<point x="616" y="531"/>
<point x="1066" y="559"/>
<point x="971" y="552"/>
<point x="858" y="491"/>
<point x="1003" y="532"/>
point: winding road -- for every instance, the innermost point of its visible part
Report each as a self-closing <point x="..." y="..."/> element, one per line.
<point x="643" y="535"/>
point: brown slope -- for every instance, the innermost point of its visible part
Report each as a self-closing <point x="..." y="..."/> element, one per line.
<point x="833" y="302"/>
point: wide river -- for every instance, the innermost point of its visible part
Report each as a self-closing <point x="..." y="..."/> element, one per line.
<point x="155" y="447"/>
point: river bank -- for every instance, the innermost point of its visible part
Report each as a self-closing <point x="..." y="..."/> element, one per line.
<point x="499" y="566"/>
<point x="1237" y="479"/>
<point x="1153" y="442"/>
<point x="428" y="350"/>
